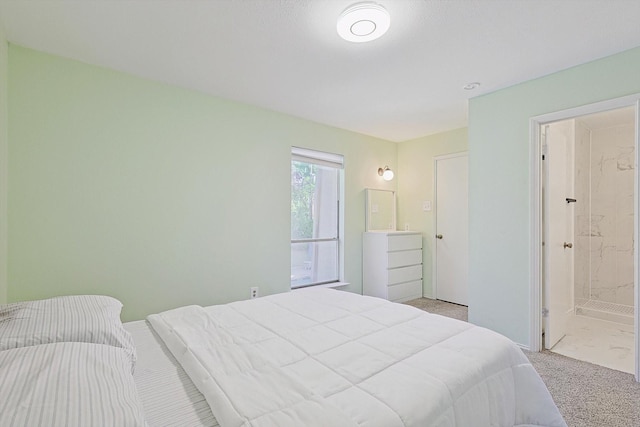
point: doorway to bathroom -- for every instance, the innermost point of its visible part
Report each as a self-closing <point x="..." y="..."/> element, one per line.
<point x="585" y="233"/>
<point x="588" y="217"/>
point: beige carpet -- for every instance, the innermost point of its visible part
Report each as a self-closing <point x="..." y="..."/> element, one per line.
<point x="440" y="307"/>
<point x="587" y="395"/>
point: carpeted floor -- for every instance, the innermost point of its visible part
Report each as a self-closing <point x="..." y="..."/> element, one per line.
<point x="440" y="307"/>
<point x="587" y="395"/>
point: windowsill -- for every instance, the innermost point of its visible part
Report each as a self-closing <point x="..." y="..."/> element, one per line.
<point x="326" y="285"/>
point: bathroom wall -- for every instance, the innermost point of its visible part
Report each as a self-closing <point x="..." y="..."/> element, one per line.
<point x="612" y="173"/>
<point x="604" y="213"/>
<point x="582" y="229"/>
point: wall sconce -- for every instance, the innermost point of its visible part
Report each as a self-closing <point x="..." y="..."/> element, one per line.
<point x="385" y="173"/>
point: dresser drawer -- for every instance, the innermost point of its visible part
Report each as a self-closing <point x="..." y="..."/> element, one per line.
<point x="405" y="242"/>
<point x="405" y="291"/>
<point x="405" y="274"/>
<point x="404" y="258"/>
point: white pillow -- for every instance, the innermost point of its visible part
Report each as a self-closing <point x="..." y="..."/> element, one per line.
<point x="79" y="318"/>
<point x="68" y="384"/>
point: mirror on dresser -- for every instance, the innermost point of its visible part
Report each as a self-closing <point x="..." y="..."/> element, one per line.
<point x="381" y="209"/>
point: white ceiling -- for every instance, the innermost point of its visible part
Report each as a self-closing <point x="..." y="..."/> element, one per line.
<point x="285" y="55"/>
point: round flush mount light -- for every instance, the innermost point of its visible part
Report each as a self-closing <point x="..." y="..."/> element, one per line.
<point x="471" y="86"/>
<point x="363" y="22"/>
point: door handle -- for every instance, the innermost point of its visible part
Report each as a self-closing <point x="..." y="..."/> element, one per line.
<point x="438" y="236"/>
<point x="568" y="245"/>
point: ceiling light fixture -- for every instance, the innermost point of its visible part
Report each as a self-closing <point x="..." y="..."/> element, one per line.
<point x="363" y="22"/>
<point x="471" y="86"/>
<point x="385" y="173"/>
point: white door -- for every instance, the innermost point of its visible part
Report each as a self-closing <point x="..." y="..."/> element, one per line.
<point x="558" y="227"/>
<point x="452" y="225"/>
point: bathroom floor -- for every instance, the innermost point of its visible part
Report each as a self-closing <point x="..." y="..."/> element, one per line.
<point x="600" y="342"/>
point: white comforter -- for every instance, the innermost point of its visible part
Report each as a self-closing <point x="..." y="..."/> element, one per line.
<point x="321" y="357"/>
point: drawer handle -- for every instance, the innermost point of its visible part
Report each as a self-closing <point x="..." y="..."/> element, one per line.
<point x="438" y="236"/>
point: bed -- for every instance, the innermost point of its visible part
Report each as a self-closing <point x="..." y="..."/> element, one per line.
<point x="316" y="357"/>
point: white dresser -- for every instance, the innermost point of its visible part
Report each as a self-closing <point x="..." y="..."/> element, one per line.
<point x="392" y="265"/>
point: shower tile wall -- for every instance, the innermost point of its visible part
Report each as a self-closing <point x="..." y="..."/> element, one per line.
<point x="604" y="236"/>
<point x="582" y="253"/>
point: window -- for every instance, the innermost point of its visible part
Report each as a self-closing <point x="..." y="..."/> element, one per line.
<point x="316" y="182"/>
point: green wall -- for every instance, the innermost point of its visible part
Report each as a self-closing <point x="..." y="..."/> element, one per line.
<point x="499" y="182"/>
<point x="416" y="184"/>
<point x="162" y="196"/>
<point x="158" y="195"/>
<point x="4" y="57"/>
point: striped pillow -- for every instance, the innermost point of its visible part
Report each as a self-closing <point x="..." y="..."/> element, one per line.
<point x="79" y="318"/>
<point x="68" y="384"/>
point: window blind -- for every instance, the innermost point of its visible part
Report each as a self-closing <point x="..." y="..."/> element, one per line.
<point x="317" y="157"/>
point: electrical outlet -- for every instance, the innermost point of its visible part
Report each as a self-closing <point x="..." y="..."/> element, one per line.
<point x="254" y="292"/>
<point x="406" y="226"/>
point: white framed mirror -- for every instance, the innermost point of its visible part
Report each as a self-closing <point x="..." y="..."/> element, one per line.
<point x="381" y="209"/>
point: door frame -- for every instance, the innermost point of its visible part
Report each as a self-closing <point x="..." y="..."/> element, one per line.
<point x="535" y="233"/>
<point x="434" y="258"/>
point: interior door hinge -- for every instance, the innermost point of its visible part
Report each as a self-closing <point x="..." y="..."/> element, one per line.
<point x="545" y="312"/>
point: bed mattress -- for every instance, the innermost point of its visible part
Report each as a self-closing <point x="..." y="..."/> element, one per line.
<point x="168" y="396"/>
<point x="322" y="358"/>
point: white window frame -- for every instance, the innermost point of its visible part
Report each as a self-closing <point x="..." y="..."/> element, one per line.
<point x="336" y="161"/>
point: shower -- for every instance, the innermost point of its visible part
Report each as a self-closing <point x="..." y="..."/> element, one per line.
<point x="604" y="217"/>
<point x="589" y="199"/>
